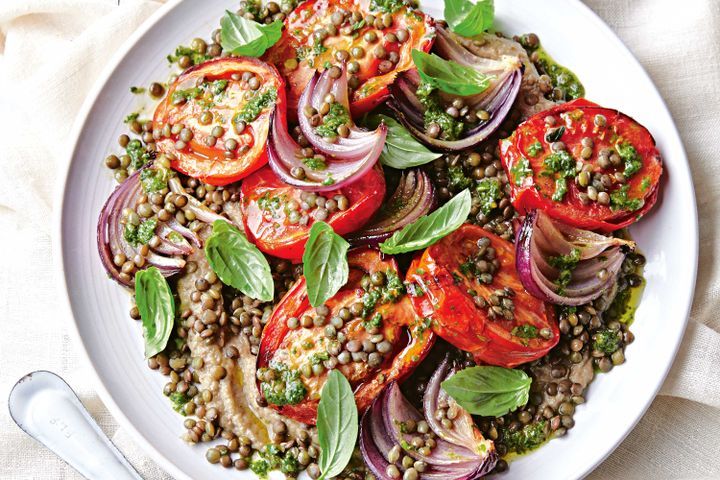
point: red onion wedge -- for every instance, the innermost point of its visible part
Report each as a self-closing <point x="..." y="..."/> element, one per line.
<point x="174" y="240"/>
<point x="497" y="100"/>
<point x="111" y="239"/>
<point x="452" y="47"/>
<point x="413" y="198"/>
<point x="382" y="431"/>
<point x="345" y="159"/>
<point x="541" y="240"/>
<point x="336" y="173"/>
<point x="359" y="143"/>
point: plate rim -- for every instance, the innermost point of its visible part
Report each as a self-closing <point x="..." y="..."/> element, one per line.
<point x="58" y="242"/>
<point x="687" y="173"/>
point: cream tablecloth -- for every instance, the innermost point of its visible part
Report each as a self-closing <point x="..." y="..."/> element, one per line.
<point x="51" y="52"/>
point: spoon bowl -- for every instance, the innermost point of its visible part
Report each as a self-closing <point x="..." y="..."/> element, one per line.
<point x="45" y="407"/>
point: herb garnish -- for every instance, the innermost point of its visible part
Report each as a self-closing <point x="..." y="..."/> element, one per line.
<point x="488" y="190"/>
<point x="428" y="229"/>
<point x="238" y="263"/>
<point x="137" y="153"/>
<point x="338" y="115"/>
<point x="337" y="425"/>
<point x="183" y="51"/>
<point x="528" y="438"/>
<point x="179" y="399"/>
<point x="450" y="128"/>
<point x="606" y="341"/>
<point x="565" y="264"/>
<point x="318" y="48"/>
<point x="535" y="149"/>
<point x="632" y="159"/>
<point x="325" y="265"/>
<point x="247" y="38"/>
<point x="563" y="164"/>
<point x="259" y="101"/>
<point x="457" y="180"/>
<point x="619" y="200"/>
<point x="468" y="19"/>
<point x="131" y="117"/>
<point x="154" y="179"/>
<point x="401" y="150"/>
<point x="525" y="331"/>
<point x="387" y="6"/>
<point x="180" y="96"/>
<point x="645" y="184"/>
<point x="137" y="235"/>
<point x="314" y="163"/>
<point x="272" y="458"/>
<point x="521" y="170"/>
<point x="449" y="76"/>
<point x="286" y="387"/>
<point x="560" y="189"/>
<point x="489" y="391"/>
<point x="157" y="309"/>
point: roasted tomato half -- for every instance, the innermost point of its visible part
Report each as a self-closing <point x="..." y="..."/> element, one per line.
<point x="375" y="41"/>
<point x="368" y="331"/>
<point x="585" y="165"/>
<point x="468" y="287"/>
<point x="216" y="117"/>
<point x="278" y="216"/>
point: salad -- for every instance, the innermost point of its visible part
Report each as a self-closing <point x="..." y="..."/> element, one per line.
<point x="366" y="243"/>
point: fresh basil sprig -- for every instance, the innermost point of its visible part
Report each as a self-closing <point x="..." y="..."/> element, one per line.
<point x="428" y="229"/>
<point x="449" y="76"/>
<point x="401" y="150"/>
<point x="489" y="391"/>
<point x="157" y="309"/>
<point x="337" y="425"/>
<point x="247" y="38"/>
<point x="239" y="263"/>
<point x="325" y="263"/>
<point x="468" y="19"/>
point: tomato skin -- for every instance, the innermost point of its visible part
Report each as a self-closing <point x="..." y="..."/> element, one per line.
<point x="373" y="88"/>
<point x="534" y="192"/>
<point x="274" y="234"/>
<point x="198" y="159"/>
<point x="411" y="340"/>
<point x="444" y="298"/>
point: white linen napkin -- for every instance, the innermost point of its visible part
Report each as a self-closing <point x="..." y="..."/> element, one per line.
<point x="51" y="52"/>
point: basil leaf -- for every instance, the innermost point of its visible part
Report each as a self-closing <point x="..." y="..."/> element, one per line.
<point x="239" y="263"/>
<point x="489" y="391"/>
<point x="157" y="309"/>
<point x="324" y="263"/>
<point x="220" y="226"/>
<point x="247" y="38"/>
<point x="401" y="150"/>
<point x="468" y="19"/>
<point x="428" y="229"/>
<point x="337" y="425"/>
<point x="449" y="76"/>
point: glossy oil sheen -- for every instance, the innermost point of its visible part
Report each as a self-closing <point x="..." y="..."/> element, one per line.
<point x="576" y="39"/>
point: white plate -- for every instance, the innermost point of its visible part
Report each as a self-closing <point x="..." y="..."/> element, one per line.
<point x="576" y="38"/>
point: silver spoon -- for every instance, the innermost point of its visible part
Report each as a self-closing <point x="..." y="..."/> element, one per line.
<point x="47" y="409"/>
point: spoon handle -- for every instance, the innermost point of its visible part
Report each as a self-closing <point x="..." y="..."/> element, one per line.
<point x="47" y="409"/>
